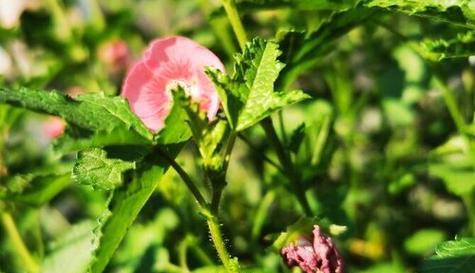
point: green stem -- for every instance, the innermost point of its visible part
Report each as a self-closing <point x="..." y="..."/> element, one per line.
<point x="185" y="177"/>
<point x="12" y="231"/>
<point x="227" y="152"/>
<point x="233" y="16"/>
<point x="220" y="26"/>
<point x="182" y="253"/>
<point x="451" y="104"/>
<point x="260" y="153"/>
<point x="286" y="163"/>
<point x="230" y="264"/>
<point x="469" y="201"/>
<point x="201" y="255"/>
<point x="216" y="199"/>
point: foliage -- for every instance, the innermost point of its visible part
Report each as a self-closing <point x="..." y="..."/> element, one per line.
<point x="354" y="115"/>
<point x="452" y="256"/>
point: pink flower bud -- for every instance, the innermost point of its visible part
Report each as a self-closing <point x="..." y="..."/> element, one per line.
<point x="169" y="62"/>
<point x="54" y="127"/>
<point x="321" y="256"/>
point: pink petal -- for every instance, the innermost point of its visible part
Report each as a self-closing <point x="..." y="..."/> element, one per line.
<point x="147" y="96"/>
<point x="166" y="63"/>
<point x="320" y="256"/>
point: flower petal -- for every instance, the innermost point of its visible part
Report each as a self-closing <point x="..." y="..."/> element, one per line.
<point x="166" y="63"/>
<point x="147" y="96"/>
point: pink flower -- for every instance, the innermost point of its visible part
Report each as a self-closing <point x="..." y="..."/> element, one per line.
<point x="169" y="62"/>
<point x="115" y="54"/>
<point x="54" y="127"/>
<point x="321" y="256"/>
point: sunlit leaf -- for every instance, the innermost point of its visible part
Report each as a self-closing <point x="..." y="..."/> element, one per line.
<point x="248" y="95"/>
<point x="452" y="256"/>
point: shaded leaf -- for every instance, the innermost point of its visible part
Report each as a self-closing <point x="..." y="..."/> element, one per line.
<point x="303" y="50"/>
<point x="296" y="138"/>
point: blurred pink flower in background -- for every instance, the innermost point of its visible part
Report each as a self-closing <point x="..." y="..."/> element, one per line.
<point x="315" y="255"/>
<point x="115" y="54"/>
<point x="169" y="62"/>
<point x="54" y="127"/>
<point x="11" y="10"/>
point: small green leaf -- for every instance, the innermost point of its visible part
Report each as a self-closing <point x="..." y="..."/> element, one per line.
<point x="210" y="136"/>
<point x="94" y="168"/>
<point x="176" y="129"/>
<point x="451" y="257"/>
<point x="302" y="227"/>
<point x="248" y="96"/>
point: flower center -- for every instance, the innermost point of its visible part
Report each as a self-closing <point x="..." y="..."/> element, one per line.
<point x="192" y="89"/>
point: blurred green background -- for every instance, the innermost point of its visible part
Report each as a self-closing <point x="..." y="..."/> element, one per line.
<point x="380" y="145"/>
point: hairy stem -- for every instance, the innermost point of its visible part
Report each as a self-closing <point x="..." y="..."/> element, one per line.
<point x="233" y="16"/>
<point x="230" y="264"/>
<point x="10" y="227"/>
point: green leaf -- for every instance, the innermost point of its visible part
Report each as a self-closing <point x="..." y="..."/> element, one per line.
<point x="451" y="257"/>
<point x="247" y="6"/>
<point x="94" y="168"/>
<point x="460" y="12"/>
<point x="176" y="129"/>
<point x="304" y="50"/>
<point x="459" y="47"/>
<point x="124" y="208"/>
<point x="72" y="251"/>
<point x="35" y="189"/>
<point x="296" y="138"/>
<point x="248" y="96"/>
<point x="423" y="241"/>
<point x="103" y="120"/>
<point x="211" y="137"/>
<point x="453" y="163"/>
